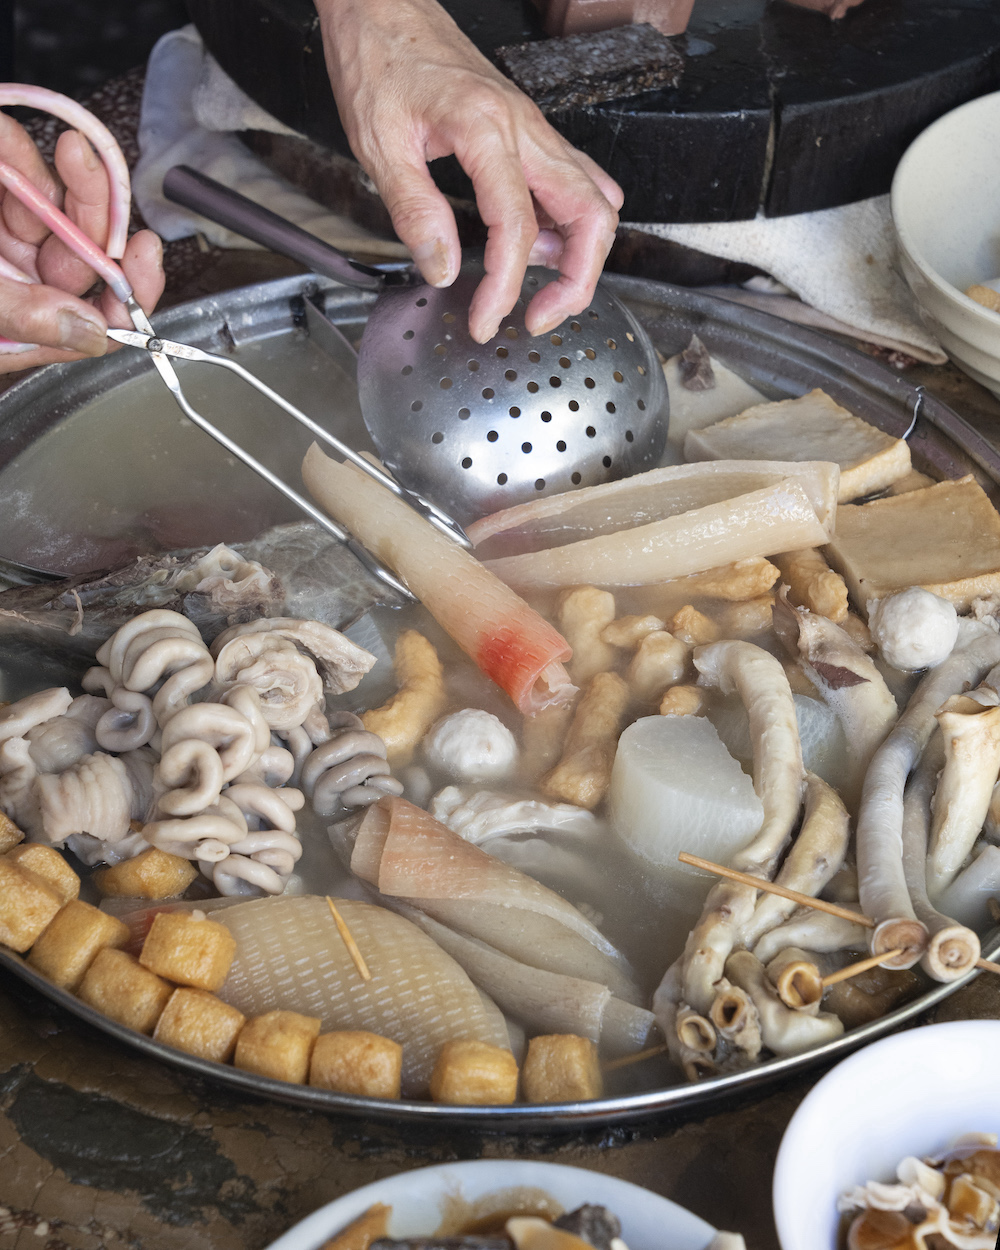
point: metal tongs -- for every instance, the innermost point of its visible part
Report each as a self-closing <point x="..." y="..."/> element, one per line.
<point x="159" y="350"/>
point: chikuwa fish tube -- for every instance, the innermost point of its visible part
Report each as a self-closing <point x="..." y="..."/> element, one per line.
<point x="511" y="643"/>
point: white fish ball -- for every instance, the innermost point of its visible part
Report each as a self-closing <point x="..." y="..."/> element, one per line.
<point x="913" y="629"/>
<point x="471" y="745"/>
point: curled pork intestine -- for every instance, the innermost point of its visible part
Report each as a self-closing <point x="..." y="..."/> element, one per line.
<point x="341" y="663"/>
<point x="203" y="747"/>
<point x="159" y="654"/>
<point x="349" y="769"/>
<point x="246" y="836"/>
<point x="281" y="659"/>
<point x="35" y="709"/>
<point x="60" y="742"/>
<point x="285" y="678"/>
<point x="100" y="795"/>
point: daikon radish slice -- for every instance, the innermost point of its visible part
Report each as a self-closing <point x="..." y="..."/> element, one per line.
<point x="675" y="787"/>
<point x="509" y="641"/>
<point x="824" y="746"/>
<point x="644" y="498"/>
<point x="779" y="517"/>
<point x="968" y="897"/>
<point x="289" y="955"/>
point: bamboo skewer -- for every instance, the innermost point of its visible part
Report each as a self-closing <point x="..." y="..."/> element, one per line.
<point x="818" y="904"/>
<point x="349" y="942"/>
<point x="759" y="883"/>
<point x="627" y="1060"/>
<point x="853" y="970"/>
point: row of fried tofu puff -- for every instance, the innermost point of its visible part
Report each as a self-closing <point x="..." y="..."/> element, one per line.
<point x="170" y="991"/>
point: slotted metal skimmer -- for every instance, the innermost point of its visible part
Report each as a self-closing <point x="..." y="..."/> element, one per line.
<point x="477" y="428"/>
<point x="468" y="427"/>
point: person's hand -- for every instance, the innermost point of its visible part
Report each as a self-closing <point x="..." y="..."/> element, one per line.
<point x="48" y="312"/>
<point x="410" y="88"/>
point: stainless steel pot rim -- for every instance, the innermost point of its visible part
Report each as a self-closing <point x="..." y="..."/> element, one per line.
<point x="518" y="1117"/>
<point x="780" y="360"/>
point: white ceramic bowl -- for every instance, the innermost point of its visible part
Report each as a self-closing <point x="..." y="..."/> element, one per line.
<point x="910" y="1094"/>
<point x="649" y="1222"/>
<point x="946" y="209"/>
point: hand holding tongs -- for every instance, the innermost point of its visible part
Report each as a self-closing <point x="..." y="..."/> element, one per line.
<point x="143" y="336"/>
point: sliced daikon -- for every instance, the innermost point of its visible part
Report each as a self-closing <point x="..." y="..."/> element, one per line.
<point x="824" y="747"/>
<point x="675" y="787"/>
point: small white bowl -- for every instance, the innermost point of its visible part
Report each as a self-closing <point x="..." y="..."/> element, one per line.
<point x="946" y="208"/>
<point x="649" y="1222"/>
<point x="910" y="1094"/>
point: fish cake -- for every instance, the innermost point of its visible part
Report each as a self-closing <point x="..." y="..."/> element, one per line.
<point x="69" y="945"/>
<point x="117" y="985"/>
<point x="199" y="1024"/>
<point x="186" y="948"/>
<point x="153" y="874"/>
<point x="561" y="1067"/>
<point x="47" y="863"/>
<point x="278" y="1045"/>
<point x="28" y="904"/>
<point x="470" y="1073"/>
<point x="356" y="1062"/>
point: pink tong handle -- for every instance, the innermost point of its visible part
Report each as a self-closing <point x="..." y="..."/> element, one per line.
<point x="70" y="233"/>
<point x="67" y="110"/>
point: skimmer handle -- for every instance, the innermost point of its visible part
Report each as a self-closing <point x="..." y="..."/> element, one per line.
<point x="201" y="194"/>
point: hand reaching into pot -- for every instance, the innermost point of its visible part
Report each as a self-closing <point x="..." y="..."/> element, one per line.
<point x="410" y="88"/>
<point x="41" y="280"/>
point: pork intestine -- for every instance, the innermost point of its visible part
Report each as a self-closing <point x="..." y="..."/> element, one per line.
<point x="349" y="769"/>
<point x="160" y="654"/>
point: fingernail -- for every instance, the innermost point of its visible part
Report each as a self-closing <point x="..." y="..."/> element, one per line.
<point x="90" y="157"/>
<point x="433" y="262"/>
<point x="484" y="334"/>
<point x="81" y="334"/>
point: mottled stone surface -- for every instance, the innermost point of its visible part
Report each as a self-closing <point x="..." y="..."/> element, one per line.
<point x="101" y="1147"/>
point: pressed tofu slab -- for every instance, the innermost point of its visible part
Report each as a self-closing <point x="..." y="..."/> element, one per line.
<point x="945" y="538"/>
<point x="812" y="427"/>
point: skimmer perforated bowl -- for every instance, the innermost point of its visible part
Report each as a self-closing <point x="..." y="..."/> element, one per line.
<point x="477" y="428"/>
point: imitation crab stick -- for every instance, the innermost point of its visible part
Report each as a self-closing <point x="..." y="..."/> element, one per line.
<point x="509" y="641"/>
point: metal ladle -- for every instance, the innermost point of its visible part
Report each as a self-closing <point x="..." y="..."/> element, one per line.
<point x="477" y="428"/>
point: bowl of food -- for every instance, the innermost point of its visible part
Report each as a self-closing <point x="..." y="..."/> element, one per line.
<point x="946" y="210"/>
<point x="847" y="1158"/>
<point x="478" y="1198"/>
